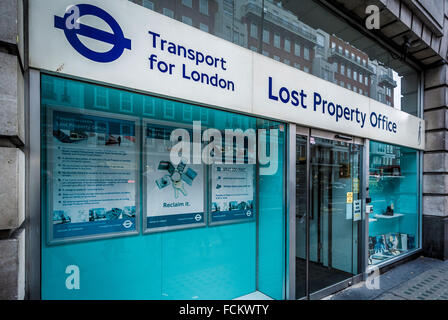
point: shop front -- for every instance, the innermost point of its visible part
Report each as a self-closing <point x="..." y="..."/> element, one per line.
<point x="176" y="165"/>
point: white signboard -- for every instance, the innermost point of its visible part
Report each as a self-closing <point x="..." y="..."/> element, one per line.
<point x="174" y="192"/>
<point x="232" y="193"/>
<point x="93" y="165"/>
<point x="121" y="43"/>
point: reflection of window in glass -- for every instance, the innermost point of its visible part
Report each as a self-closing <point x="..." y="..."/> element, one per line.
<point x="306" y="69"/>
<point x="355" y="89"/>
<point x="320" y="40"/>
<point x="168" y="110"/>
<point x="342" y="84"/>
<point x="188" y="3"/>
<point x="297" y="65"/>
<point x="204" y="116"/>
<point x="265" y="53"/>
<point x="343" y="69"/>
<point x="187" y="20"/>
<point x="355" y="75"/>
<point x="358" y="59"/>
<point x="333" y="45"/>
<point x="276" y="40"/>
<point x="101" y="98"/>
<point x="297" y="49"/>
<point x="236" y="37"/>
<point x="203" y="27"/>
<point x="349" y="86"/>
<point x="286" y="61"/>
<point x="48" y="89"/>
<point x="148" y="4"/>
<point x="125" y="102"/>
<point x="353" y="56"/>
<point x="265" y="35"/>
<point x="203" y="7"/>
<point x="287" y="45"/>
<point x="277" y="58"/>
<point x="349" y="72"/>
<point x="340" y="49"/>
<point x="228" y="7"/>
<point x="228" y="32"/>
<point x="254" y="30"/>
<point x="167" y="12"/>
<point x="306" y="53"/>
<point x="149" y="106"/>
<point x="366" y="80"/>
<point x="187" y="113"/>
<point x="360" y="78"/>
<point x="253" y="48"/>
<point x="347" y="53"/>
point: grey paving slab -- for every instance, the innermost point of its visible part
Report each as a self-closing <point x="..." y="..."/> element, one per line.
<point x="419" y="279"/>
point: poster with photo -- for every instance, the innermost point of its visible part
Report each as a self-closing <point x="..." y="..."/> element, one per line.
<point x="174" y="191"/>
<point x="92" y="160"/>
<point x="232" y="192"/>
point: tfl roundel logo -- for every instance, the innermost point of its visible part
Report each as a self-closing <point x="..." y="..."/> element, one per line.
<point x="73" y="29"/>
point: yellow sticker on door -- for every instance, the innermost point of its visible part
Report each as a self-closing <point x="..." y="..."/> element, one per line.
<point x="349" y="197"/>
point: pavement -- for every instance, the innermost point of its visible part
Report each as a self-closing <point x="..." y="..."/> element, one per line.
<point x="419" y="279"/>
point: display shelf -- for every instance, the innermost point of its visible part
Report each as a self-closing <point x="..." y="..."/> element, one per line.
<point x="372" y="219"/>
<point x="383" y="216"/>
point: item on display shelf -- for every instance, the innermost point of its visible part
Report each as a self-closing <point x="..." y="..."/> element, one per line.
<point x="403" y="241"/>
<point x="411" y="241"/>
<point x="386" y="246"/>
<point x="389" y="210"/>
<point x="394" y="171"/>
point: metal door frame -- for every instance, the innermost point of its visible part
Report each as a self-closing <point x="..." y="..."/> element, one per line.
<point x="295" y="130"/>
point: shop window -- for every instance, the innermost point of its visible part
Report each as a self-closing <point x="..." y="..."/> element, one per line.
<point x="393" y="187"/>
<point x="115" y="204"/>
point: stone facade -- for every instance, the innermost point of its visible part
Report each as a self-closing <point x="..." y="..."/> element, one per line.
<point x="12" y="156"/>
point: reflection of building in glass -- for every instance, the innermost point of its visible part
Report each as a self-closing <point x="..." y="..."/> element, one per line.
<point x="283" y="37"/>
<point x="278" y="33"/>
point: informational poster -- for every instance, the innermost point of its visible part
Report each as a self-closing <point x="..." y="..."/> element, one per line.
<point x="92" y="162"/>
<point x="232" y="192"/>
<point x="174" y="191"/>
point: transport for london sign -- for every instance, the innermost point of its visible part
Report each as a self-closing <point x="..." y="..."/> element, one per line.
<point x="124" y="44"/>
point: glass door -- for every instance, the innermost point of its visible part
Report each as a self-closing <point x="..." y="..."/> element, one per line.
<point x="328" y="239"/>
